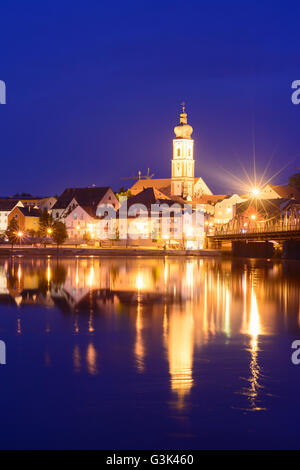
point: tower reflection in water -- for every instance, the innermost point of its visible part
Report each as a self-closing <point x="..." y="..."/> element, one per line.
<point x="174" y="305"/>
<point x="252" y="327"/>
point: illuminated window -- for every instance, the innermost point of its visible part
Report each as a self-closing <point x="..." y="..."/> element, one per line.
<point x="75" y="215"/>
<point x="178" y="152"/>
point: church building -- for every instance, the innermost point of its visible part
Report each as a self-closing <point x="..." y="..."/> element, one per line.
<point x="182" y="183"/>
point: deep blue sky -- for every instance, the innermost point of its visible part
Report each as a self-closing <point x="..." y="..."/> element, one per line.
<point x="93" y="89"/>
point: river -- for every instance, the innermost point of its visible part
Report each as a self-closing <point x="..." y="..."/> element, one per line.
<point x="149" y="353"/>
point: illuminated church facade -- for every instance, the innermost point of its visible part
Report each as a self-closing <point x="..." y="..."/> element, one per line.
<point x="183" y="183"/>
<point x="183" y="163"/>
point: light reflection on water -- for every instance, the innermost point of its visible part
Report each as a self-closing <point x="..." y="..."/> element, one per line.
<point x="175" y="305"/>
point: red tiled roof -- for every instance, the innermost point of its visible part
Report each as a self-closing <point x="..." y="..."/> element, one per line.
<point x="210" y="198"/>
<point x="8" y="204"/>
<point x="84" y="196"/>
<point x="29" y="211"/>
<point x="265" y="207"/>
<point x="149" y="196"/>
<point x="160" y="184"/>
<point x="286" y="191"/>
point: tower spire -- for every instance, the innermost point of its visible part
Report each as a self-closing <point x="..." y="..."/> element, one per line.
<point x="183" y="158"/>
<point x="183" y="115"/>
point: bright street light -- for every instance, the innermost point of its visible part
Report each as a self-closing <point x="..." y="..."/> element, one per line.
<point x="20" y="235"/>
<point x="255" y="191"/>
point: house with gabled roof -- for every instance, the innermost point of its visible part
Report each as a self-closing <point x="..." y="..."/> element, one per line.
<point x="165" y="186"/>
<point x="82" y="223"/>
<point x="6" y="206"/>
<point x="152" y="215"/>
<point x="91" y="197"/>
<point x="274" y="191"/>
<point x="265" y="213"/>
<point x="224" y="209"/>
<point x="26" y="217"/>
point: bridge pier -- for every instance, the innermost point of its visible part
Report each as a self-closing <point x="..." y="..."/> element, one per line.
<point x="218" y="244"/>
<point x="214" y="244"/>
<point x="282" y="242"/>
<point x="253" y="249"/>
<point x="291" y="249"/>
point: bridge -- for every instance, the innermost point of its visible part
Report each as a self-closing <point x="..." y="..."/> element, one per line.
<point x="260" y="240"/>
<point x="258" y="232"/>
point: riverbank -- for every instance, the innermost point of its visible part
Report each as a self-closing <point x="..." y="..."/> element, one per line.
<point x="114" y="251"/>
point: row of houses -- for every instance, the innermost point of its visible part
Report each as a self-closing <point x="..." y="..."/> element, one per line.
<point x="78" y="208"/>
<point x="25" y="209"/>
<point x="94" y="214"/>
<point x="178" y="210"/>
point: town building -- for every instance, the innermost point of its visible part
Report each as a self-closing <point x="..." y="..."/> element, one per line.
<point x="83" y="225"/>
<point x="6" y="206"/>
<point x="183" y="182"/>
<point x="38" y="202"/>
<point x="152" y="217"/>
<point x="224" y="208"/>
<point x="265" y="214"/>
<point x="272" y="191"/>
<point x="47" y="203"/>
<point x="27" y="219"/>
<point x="183" y="189"/>
<point x="92" y="197"/>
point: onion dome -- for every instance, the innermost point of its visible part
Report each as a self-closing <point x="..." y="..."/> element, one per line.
<point x="183" y="130"/>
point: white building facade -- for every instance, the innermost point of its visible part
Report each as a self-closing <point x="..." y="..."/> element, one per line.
<point x="224" y="210"/>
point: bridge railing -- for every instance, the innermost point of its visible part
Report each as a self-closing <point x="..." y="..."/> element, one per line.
<point x="290" y="226"/>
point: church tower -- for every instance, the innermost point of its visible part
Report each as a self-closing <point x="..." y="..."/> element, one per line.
<point x="183" y="159"/>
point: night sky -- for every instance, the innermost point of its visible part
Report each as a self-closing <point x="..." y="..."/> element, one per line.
<point x="94" y="90"/>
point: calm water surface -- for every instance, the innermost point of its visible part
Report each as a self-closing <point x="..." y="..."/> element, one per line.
<point x="120" y="353"/>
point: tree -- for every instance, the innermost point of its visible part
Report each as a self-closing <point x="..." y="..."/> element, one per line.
<point x="123" y="193"/>
<point x="87" y="237"/>
<point x="12" y="232"/>
<point x="59" y="275"/>
<point x="45" y="223"/>
<point x="60" y="233"/>
<point x="12" y="276"/>
<point x="155" y="234"/>
<point x="22" y="195"/>
<point x="115" y="233"/>
<point x="33" y="233"/>
<point x="294" y="180"/>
